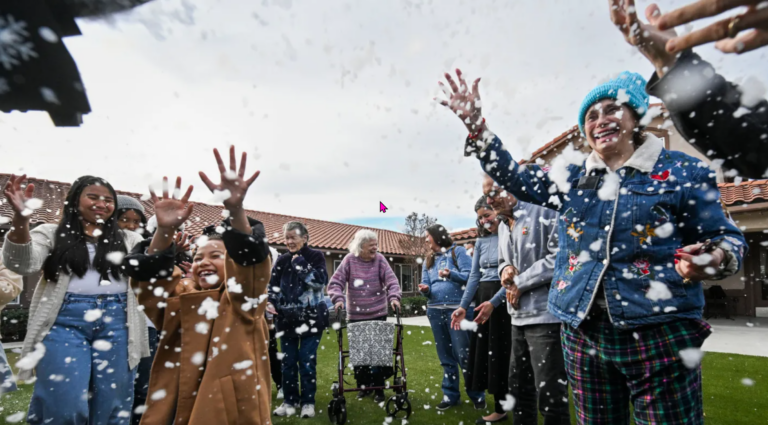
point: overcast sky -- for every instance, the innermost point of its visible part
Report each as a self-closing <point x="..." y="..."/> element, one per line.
<point x="333" y="98"/>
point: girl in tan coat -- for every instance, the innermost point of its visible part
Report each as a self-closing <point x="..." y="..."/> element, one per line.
<point x="212" y="362"/>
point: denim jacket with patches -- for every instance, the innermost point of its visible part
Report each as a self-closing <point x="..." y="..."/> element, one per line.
<point x="625" y="239"/>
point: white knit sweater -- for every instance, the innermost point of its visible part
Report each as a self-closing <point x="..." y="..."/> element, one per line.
<point x="26" y="259"/>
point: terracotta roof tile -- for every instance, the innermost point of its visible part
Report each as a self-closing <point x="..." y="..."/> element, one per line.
<point x="323" y="234"/>
<point x="461" y="236"/>
<point x="745" y="192"/>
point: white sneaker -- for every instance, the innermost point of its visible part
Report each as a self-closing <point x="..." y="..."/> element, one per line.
<point x="284" y="410"/>
<point x="308" y="411"/>
<point x="280" y="394"/>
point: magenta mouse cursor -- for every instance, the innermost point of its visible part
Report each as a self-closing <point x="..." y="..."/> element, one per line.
<point x="382" y="208"/>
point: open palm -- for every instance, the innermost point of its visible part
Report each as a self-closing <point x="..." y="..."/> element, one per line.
<point x="648" y="38"/>
<point x="465" y="103"/>
<point x="231" y="180"/>
<point x="15" y="195"/>
<point x="171" y="212"/>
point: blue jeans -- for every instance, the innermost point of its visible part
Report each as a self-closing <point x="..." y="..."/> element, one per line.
<point x="76" y="382"/>
<point x="300" y="357"/>
<point x="7" y="382"/>
<point x="141" y="385"/>
<point x="453" y="351"/>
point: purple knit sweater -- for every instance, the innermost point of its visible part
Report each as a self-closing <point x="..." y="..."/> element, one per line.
<point x="369" y="287"/>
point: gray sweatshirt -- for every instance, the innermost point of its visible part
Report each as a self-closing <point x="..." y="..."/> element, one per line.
<point x="531" y="247"/>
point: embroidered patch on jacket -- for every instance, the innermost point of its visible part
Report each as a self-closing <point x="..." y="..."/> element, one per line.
<point x="562" y="284"/>
<point x="642" y="268"/>
<point x="659" y="211"/>
<point x="574" y="232"/>
<point x="662" y="177"/>
<point x="645" y="235"/>
<point x="525" y="231"/>
<point x="566" y="216"/>
<point x="574" y="264"/>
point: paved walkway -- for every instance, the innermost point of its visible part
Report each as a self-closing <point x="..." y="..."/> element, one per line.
<point x="744" y="335"/>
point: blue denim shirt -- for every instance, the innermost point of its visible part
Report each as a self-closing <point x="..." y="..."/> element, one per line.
<point x="664" y="200"/>
<point x="485" y="268"/>
<point x="447" y="291"/>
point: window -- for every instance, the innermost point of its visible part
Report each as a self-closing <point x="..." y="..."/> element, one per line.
<point x="336" y="264"/>
<point x="16" y="300"/>
<point x="405" y="274"/>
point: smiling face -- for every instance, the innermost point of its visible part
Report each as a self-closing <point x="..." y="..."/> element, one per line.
<point x="500" y="200"/>
<point x="129" y="220"/>
<point x="96" y="204"/>
<point x="610" y="128"/>
<point x="432" y="244"/>
<point x="369" y="249"/>
<point x="208" y="265"/>
<point x="294" y="241"/>
<point x="487" y="219"/>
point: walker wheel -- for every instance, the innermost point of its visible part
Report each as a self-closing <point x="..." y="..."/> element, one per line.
<point x="399" y="403"/>
<point x="337" y="411"/>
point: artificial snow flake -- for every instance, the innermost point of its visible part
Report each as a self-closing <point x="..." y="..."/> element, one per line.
<point x="16" y="417"/>
<point x="14" y="43"/>
<point x="158" y="395"/>
<point x="102" y="345"/>
<point x="358" y="283"/>
<point x="610" y="187"/>
<point x="48" y="34"/>
<point x="202" y="328"/>
<point x="665" y="230"/>
<point x="426" y="343"/>
<point x="220" y="196"/>
<point x="115" y="257"/>
<point x="336" y="326"/>
<point x="29" y="361"/>
<point x="752" y="91"/>
<point x="467" y="325"/>
<point x="210" y="308"/>
<point x="508" y="404"/>
<point x="302" y="329"/>
<point x="747" y="382"/>
<point x="212" y="279"/>
<point x="92" y="315"/>
<point x="691" y="357"/>
<point x="33" y="203"/>
<point x="198" y="358"/>
<point x="49" y="95"/>
<point x="233" y="286"/>
<point x="658" y="291"/>
<point x="245" y="364"/>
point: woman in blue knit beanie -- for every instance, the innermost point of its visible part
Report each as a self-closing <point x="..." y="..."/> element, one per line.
<point x="640" y="228"/>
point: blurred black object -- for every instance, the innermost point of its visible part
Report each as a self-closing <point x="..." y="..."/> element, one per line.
<point x="37" y="73"/>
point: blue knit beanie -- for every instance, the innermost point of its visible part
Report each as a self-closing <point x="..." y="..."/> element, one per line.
<point x="629" y="86"/>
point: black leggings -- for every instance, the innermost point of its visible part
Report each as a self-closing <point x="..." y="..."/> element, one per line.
<point x="275" y="365"/>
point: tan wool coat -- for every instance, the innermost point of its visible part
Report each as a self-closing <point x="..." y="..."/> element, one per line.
<point x="210" y="370"/>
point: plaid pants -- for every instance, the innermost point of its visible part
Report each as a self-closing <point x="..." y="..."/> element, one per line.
<point x="607" y="368"/>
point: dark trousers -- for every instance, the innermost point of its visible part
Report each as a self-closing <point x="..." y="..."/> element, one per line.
<point x="537" y="375"/>
<point x="141" y="384"/>
<point x="370" y="376"/>
<point x="275" y="365"/>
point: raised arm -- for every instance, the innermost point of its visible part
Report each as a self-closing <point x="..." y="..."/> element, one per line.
<point x="530" y="183"/>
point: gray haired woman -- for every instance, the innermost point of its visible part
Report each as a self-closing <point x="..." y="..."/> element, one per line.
<point x="366" y="283"/>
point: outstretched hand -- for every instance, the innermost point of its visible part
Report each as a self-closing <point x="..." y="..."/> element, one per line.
<point x="648" y="38"/>
<point x="725" y="31"/>
<point x="231" y="180"/>
<point x="15" y="195"/>
<point x="463" y="102"/>
<point x="171" y="212"/>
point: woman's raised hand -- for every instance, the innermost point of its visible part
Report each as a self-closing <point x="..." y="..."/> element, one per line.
<point x="648" y="39"/>
<point x="465" y="103"/>
<point x="171" y="211"/>
<point x="232" y="180"/>
<point x="15" y="195"/>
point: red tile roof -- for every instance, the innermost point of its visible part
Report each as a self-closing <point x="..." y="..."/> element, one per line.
<point x="465" y="235"/>
<point x="323" y="234"/>
<point x="744" y="192"/>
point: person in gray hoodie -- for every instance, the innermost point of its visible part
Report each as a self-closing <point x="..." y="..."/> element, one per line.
<point x="527" y="251"/>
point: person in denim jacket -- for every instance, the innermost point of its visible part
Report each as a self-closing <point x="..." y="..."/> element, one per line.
<point x="640" y="227"/>
<point x="443" y="278"/>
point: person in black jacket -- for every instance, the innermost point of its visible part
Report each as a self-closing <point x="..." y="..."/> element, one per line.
<point x="727" y="123"/>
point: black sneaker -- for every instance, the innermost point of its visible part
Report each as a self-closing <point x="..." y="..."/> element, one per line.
<point x="379" y="397"/>
<point x="480" y="405"/>
<point x="444" y="405"/>
<point x="363" y="394"/>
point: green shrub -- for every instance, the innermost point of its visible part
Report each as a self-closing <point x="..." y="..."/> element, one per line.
<point x="412" y="306"/>
<point x="13" y="324"/>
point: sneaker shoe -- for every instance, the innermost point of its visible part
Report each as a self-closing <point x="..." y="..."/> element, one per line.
<point x="308" y="411"/>
<point x="445" y="405"/>
<point x="284" y="410"/>
<point x="280" y="395"/>
<point x="480" y="405"/>
<point x="379" y="396"/>
<point x="363" y="394"/>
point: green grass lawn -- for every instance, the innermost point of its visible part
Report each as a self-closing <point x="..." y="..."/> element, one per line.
<point x="727" y="401"/>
